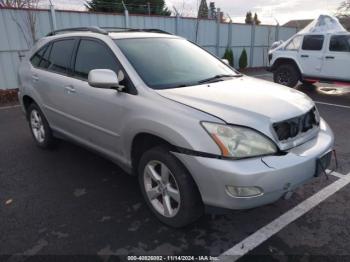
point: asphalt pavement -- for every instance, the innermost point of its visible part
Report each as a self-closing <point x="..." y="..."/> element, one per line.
<point x="70" y="201"/>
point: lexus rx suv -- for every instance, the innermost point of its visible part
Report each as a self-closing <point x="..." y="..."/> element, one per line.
<point x="196" y="132"/>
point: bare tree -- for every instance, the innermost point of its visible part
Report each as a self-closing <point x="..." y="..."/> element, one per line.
<point x="344" y="9"/>
<point x="27" y="22"/>
<point x="16" y="3"/>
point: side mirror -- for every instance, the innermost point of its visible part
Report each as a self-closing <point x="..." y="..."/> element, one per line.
<point x="104" y="78"/>
<point x="225" y="61"/>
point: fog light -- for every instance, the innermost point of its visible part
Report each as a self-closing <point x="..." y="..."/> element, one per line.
<point x="238" y="191"/>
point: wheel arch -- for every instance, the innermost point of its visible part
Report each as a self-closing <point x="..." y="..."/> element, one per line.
<point x="27" y="101"/>
<point x="286" y="60"/>
<point x="142" y="142"/>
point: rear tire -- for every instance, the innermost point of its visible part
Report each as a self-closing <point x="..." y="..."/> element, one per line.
<point x="39" y="127"/>
<point x="168" y="188"/>
<point x="286" y="75"/>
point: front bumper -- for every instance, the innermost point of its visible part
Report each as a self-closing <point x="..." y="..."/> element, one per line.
<point x="275" y="175"/>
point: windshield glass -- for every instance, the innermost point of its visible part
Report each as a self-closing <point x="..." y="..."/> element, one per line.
<point x="170" y="62"/>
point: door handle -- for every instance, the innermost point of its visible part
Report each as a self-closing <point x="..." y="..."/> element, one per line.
<point x="35" y="78"/>
<point x="69" y="89"/>
<point x="304" y="56"/>
<point x="330" y="57"/>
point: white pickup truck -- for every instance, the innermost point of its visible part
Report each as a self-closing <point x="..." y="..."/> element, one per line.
<point x="319" y="53"/>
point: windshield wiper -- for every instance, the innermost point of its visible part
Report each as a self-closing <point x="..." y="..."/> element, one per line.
<point x="218" y="77"/>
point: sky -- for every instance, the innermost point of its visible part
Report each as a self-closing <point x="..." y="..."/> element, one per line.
<point x="269" y="11"/>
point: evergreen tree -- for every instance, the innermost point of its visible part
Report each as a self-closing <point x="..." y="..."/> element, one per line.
<point x="249" y="18"/>
<point x="256" y="19"/>
<point x="229" y="56"/>
<point x="243" y="60"/>
<point x="203" y="9"/>
<point x="157" y="7"/>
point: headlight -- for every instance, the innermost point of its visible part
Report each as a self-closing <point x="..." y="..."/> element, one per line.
<point x="239" y="142"/>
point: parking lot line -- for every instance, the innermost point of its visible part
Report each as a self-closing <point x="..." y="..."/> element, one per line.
<point x="279" y="223"/>
<point x="9" y="107"/>
<point x="336" y="174"/>
<point x="329" y="104"/>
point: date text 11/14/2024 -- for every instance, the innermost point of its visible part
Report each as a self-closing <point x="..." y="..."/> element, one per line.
<point x="172" y="258"/>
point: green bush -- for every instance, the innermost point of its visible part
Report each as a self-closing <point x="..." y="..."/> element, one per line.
<point x="243" y="60"/>
<point x="229" y="56"/>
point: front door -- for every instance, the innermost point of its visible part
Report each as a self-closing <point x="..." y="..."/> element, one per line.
<point x="311" y="55"/>
<point x="97" y="115"/>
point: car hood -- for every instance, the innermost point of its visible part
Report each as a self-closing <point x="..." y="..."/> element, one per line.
<point x="244" y="101"/>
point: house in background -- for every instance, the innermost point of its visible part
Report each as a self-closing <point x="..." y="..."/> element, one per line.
<point x="301" y="24"/>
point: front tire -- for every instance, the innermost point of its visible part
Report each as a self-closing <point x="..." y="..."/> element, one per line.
<point x="168" y="188"/>
<point x="286" y="75"/>
<point x="39" y="127"/>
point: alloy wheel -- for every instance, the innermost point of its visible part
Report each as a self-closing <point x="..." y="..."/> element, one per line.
<point x="37" y="126"/>
<point x="161" y="188"/>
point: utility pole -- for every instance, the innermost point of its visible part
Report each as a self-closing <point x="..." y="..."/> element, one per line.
<point x="53" y="16"/>
<point x="124" y="6"/>
<point x="126" y="15"/>
<point x="149" y="8"/>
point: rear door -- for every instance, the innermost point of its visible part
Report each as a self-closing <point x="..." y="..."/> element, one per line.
<point x="52" y="78"/>
<point x="311" y="55"/>
<point x="337" y="58"/>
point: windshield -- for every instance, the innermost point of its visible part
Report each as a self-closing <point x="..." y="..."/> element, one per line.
<point x="170" y="62"/>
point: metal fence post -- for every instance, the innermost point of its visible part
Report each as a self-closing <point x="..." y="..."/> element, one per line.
<point x="277" y="32"/>
<point x="230" y="30"/>
<point x="218" y="18"/>
<point x="252" y="45"/>
<point x="53" y="17"/>
<point x="126" y="17"/>
<point x="177" y="24"/>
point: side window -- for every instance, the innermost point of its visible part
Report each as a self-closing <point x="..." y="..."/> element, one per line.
<point x="295" y="43"/>
<point x="44" y="63"/>
<point x="60" y="55"/>
<point x="36" y="58"/>
<point x="339" y="43"/>
<point x="313" y="42"/>
<point x="94" y="55"/>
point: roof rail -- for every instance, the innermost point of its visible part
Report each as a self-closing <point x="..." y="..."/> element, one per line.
<point x="93" y="29"/>
<point x="105" y="30"/>
<point x="125" y="29"/>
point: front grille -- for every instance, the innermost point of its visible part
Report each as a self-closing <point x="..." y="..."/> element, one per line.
<point x="293" y="127"/>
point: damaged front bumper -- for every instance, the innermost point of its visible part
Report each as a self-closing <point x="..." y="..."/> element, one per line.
<point x="274" y="175"/>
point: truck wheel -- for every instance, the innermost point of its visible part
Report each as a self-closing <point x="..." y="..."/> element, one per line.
<point x="286" y="75"/>
<point x="168" y="188"/>
<point x="39" y="127"/>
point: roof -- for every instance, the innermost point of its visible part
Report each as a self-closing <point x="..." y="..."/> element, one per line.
<point x="113" y="32"/>
<point x="301" y="24"/>
<point x="323" y="24"/>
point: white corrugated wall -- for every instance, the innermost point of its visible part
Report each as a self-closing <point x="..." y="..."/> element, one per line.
<point x="214" y="37"/>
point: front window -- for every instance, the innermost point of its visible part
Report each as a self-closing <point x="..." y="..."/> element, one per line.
<point x="93" y="55"/>
<point x="169" y="62"/>
<point x="313" y="42"/>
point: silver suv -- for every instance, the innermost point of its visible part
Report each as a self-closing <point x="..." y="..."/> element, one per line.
<point x="196" y="132"/>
